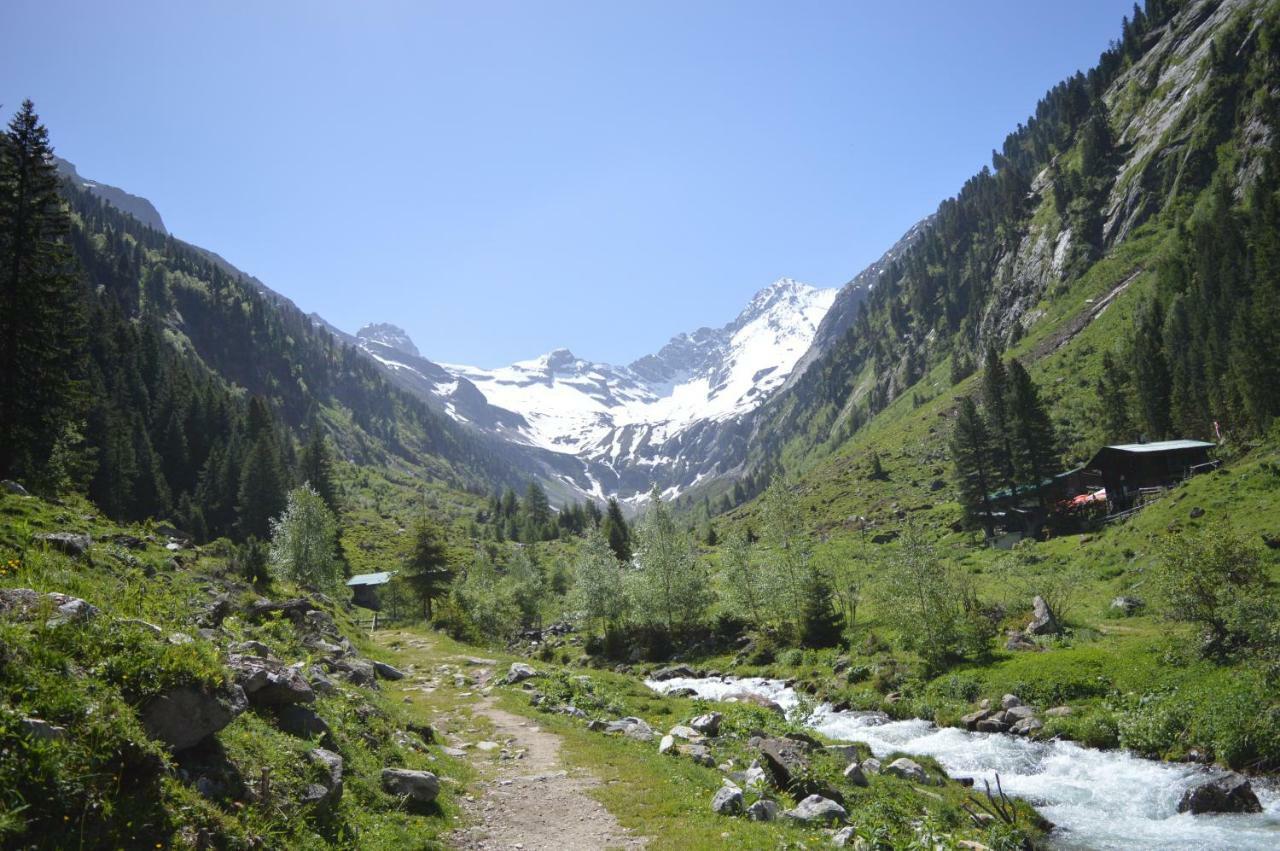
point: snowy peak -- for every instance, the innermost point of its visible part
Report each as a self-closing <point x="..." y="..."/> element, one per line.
<point x="391" y="336"/>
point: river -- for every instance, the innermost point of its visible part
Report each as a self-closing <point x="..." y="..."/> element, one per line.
<point x="1100" y="800"/>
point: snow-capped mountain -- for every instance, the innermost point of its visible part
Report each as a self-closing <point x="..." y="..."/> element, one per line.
<point x="667" y="417"/>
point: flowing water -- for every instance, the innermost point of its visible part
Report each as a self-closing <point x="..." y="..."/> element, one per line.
<point x="1097" y="799"/>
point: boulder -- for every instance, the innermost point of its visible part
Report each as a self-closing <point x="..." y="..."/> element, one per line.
<point x="672" y="672"/>
<point x="1059" y="712"/>
<point x="1231" y="793"/>
<point x="763" y="810"/>
<point x="1126" y="605"/>
<point x="871" y="765"/>
<point x="10" y="486"/>
<point x="667" y="744"/>
<point x="387" y="672"/>
<point x="519" y="672"/>
<point x="682" y="692"/>
<point x="842" y="837"/>
<point x="69" y="543"/>
<point x="267" y="682"/>
<point x="727" y="801"/>
<point x="816" y="809"/>
<point x="1018" y="641"/>
<point x="355" y="671"/>
<point x="303" y="722"/>
<point x="26" y="602"/>
<point x="708" y="725"/>
<point x="971" y="720"/>
<point x="1009" y="701"/>
<point x="1043" y="621"/>
<point x="991" y="725"/>
<point x="907" y="769"/>
<point x="1027" y="727"/>
<point x="756" y="699"/>
<point x="38" y="728"/>
<point x="854" y="774"/>
<point x="680" y="731"/>
<point x="183" y="716"/>
<point x="787" y="760"/>
<point x="252" y="648"/>
<point x="418" y="786"/>
<point x="1018" y="713"/>
<point x="330" y="786"/>
<point x="632" y="728"/>
<point x="698" y="753"/>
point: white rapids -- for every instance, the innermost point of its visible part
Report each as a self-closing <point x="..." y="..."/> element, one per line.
<point x="1097" y="799"/>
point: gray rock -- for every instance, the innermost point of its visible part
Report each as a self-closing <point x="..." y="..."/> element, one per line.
<point x="786" y="759"/>
<point x="842" y="837"/>
<point x="252" y="648"/>
<point x="972" y="720"/>
<point x="671" y="673"/>
<point x="1009" y="701"/>
<point x="756" y="699"/>
<point x="355" y="671"/>
<point x="708" y="725"/>
<point x="38" y="728"/>
<point x="698" y="753"/>
<point x="816" y="809"/>
<point x="1018" y="641"/>
<point x="13" y="487"/>
<point x="303" y="722"/>
<point x="871" y="765"/>
<point x="183" y="716"/>
<point x="320" y="682"/>
<point x="680" y="731"/>
<point x="519" y="672"/>
<point x="1043" y="621"/>
<point x="387" y="672"/>
<point x="991" y="725"/>
<point x="727" y="801"/>
<point x="70" y="543"/>
<point x="667" y="744"/>
<point x="907" y="769"/>
<point x="632" y="728"/>
<point x="764" y="810"/>
<point x="1126" y="605"/>
<point x="1018" y="713"/>
<point x="269" y="683"/>
<point x="1231" y="793"/>
<point x="1059" y="712"/>
<point x="330" y="785"/>
<point x="1026" y="727"/>
<point x="854" y="774"/>
<point x="419" y="786"/>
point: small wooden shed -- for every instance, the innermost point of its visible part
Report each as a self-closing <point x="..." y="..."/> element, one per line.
<point x="364" y="588"/>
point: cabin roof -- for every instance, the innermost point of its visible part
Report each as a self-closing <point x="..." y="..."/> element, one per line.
<point x="1161" y="446"/>
<point x="372" y="578"/>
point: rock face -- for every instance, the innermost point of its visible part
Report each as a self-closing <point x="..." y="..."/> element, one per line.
<point x="1043" y="621"/>
<point x="816" y="809"/>
<point x="419" y="786"/>
<point x="70" y="543"/>
<point x="1230" y="794"/>
<point x="183" y="716"/>
<point x="727" y="801"/>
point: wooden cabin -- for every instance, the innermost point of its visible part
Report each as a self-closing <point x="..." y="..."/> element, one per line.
<point x="1128" y="469"/>
<point x="364" y="588"/>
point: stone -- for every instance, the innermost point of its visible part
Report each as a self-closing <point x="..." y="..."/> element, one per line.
<point x="358" y="672"/>
<point x="419" y="786"/>
<point x="871" y="765"/>
<point x="330" y="784"/>
<point x="252" y="648"/>
<point x="1043" y="621"/>
<point x="267" y="682"/>
<point x="10" y="486"/>
<point x="38" y="728"/>
<point x="68" y="543"/>
<point x="1126" y="604"/>
<point x="698" y="753"/>
<point x="842" y="837"/>
<point x="1231" y="793"/>
<point x="907" y="769"/>
<point x="632" y="728"/>
<point x="1009" y="701"/>
<point x="708" y="725"/>
<point x="1059" y="712"/>
<point x="764" y="810"/>
<point x="854" y="774"/>
<point x="183" y="716"/>
<point x="667" y="744"/>
<point x="1196" y="513"/>
<point x="683" y="692"/>
<point x="1027" y="727"/>
<point x="320" y="682"/>
<point x="1018" y="713"/>
<point x="991" y="725"/>
<point x="971" y="720"/>
<point x="303" y="722"/>
<point x="680" y="731"/>
<point x="786" y="760"/>
<point x="727" y="801"/>
<point x="1018" y="641"/>
<point x="387" y="672"/>
<point x="756" y="699"/>
<point x="817" y="809"/>
<point x="519" y="672"/>
<point x="673" y="672"/>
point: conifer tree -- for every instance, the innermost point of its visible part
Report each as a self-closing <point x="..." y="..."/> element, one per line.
<point x="429" y="568"/>
<point x="971" y="451"/>
<point x="995" y="389"/>
<point x="42" y="330"/>
<point x="316" y="467"/>
<point x="261" y="494"/>
<point x="1113" y="390"/>
<point x="1032" y="439"/>
<point x="616" y="531"/>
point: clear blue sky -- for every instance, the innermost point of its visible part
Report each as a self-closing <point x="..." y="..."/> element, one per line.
<point x="506" y="178"/>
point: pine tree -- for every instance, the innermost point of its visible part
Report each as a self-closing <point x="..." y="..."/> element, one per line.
<point x="995" y="389"/>
<point x="261" y="494"/>
<point x="1033" y="442"/>
<point x="42" y="329"/>
<point x="429" y="567"/>
<point x="616" y="531"/>
<point x="971" y="451"/>
<point x="316" y="467"/>
<point x="1151" y="371"/>
<point x="1114" y="390"/>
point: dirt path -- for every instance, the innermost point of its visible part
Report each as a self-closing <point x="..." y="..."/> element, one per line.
<point x="530" y="799"/>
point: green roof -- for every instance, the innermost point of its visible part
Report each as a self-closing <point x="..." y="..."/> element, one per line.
<point x="372" y="578"/>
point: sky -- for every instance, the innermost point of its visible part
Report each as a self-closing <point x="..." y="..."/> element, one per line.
<point x="506" y="178"/>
